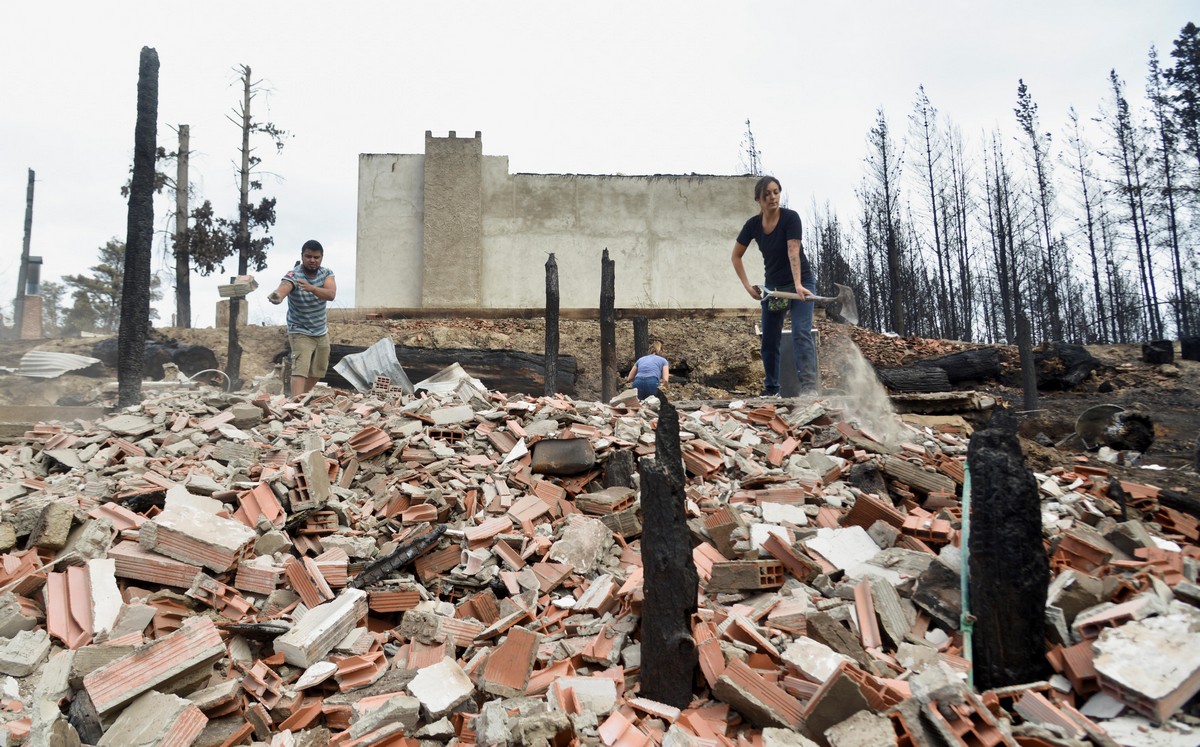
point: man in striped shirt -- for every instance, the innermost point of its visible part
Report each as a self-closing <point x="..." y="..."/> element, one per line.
<point x="308" y="287"/>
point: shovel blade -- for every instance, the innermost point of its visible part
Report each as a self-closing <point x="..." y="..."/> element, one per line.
<point x="844" y="307"/>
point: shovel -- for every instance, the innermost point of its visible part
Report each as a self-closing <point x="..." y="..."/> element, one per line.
<point x="841" y="308"/>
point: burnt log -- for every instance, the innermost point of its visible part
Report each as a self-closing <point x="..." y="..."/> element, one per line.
<point x="1063" y="366"/>
<point x="982" y="364"/>
<point x="1007" y="563"/>
<point x="511" y="371"/>
<point x="191" y="359"/>
<point x="915" y="379"/>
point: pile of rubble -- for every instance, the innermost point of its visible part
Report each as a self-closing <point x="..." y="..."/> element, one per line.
<point x="461" y="566"/>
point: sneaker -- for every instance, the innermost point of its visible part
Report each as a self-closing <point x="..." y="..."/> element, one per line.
<point x="769" y="393"/>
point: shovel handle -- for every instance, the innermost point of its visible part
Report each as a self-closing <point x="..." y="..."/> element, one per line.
<point x="767" y="293"/>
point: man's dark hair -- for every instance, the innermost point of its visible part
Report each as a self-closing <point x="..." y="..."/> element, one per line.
<point x="761" y="186"/>
<point x="312" y="245"/>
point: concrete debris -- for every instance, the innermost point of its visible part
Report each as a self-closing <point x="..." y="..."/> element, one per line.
<point x="405" y="566"/>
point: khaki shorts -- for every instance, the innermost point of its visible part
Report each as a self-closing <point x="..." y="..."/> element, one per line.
<point x="310" y="355"/>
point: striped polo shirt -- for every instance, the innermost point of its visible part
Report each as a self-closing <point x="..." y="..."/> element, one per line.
<point x="306" y="313"/>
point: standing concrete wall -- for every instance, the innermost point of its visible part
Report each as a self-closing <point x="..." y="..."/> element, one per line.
<point x="486" y="234"/>
<point x="391" y="230"/>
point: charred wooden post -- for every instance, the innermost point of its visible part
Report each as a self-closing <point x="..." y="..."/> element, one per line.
<point x="641" y="336"/>
<point x="552" y="301"/>
<point x="1007" y="562"/>
<point x="619" y="469"/>
<point x="669" y="655"/>
<point x="1028" y="365"/>
<point x="139" y="239"/>
<point x="608" y="328"/>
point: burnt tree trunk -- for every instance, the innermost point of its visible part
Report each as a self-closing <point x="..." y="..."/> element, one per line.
<point x="641" y="337"/>
<point x="139" y="237"/>
<point x="1029" y="371"/>
<point x="669" y="655"/>
<point x="183" y="260"/>
<point x="552" y="301"/>
<point x="1007" y="563"/>
<point x="608" y="328"/>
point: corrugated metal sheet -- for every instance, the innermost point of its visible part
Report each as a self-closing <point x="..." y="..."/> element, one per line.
<point x="360" y="369"/>
<point x="44" y="364"/>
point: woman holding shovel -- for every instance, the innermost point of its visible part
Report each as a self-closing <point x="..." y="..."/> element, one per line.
<point x="777" y="231"/>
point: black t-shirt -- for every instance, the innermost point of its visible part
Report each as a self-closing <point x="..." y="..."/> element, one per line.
<point x="778" y="270"/>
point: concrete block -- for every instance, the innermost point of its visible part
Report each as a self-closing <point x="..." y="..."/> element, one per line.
<point x="774" y="513"/>
<point x="400" y="709"/>
<point x="816" y="660"/>
<point x="322" y="628"/>
<point x="441" y="687"/>
<point x="596" y="694"/>
<point x="155" y="718"/>
<point x="91" y="539"/>
<point x="545" y="729"/>
<point x="451" y="415"/>
<point x="843" y="548"/>
<point x="1153" y="664"/>
<point x="773" y="737"/>
<point x="106" y="598"/>
<point x="53" y="526"/>
<point x="178" y="495"/>
<point x="53" y="685"/>
<point x="13" y="617"/>
<point x="863" y="729"/>
<point x="8" y="536"/>
<point x="837" y="700"/>
<point x="355" y="547"/>
<point x="198" y="537"/>
<point x="492" y="725"/>
<point x="584" y="544"/>
<point x="21" y="654"/>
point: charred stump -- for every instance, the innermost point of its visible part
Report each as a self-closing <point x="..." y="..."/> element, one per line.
<point x="669" y="656"/>
<point x="1008" y="567"/>
<point x="1158" y="352"/>
<point x="1189" y="348"/>
<point x="619" y="469"/>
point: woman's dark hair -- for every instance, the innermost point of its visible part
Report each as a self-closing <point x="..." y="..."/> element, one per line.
<point x="312" y="245"/>
<point x="761" y="186"/>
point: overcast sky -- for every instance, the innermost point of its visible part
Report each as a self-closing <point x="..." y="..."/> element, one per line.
<point x="559" y="87"/>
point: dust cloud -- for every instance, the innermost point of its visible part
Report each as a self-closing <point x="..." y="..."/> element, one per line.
<point x="857" y="391"/>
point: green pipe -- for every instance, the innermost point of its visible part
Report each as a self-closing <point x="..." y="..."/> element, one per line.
<point x="966" y="621"/>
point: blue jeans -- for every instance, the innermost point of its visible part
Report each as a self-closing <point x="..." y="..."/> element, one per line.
<point x="803" y="349"/>
<point x="645" y="386"/>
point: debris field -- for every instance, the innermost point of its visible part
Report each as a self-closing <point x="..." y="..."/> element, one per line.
<point x="462" y="566"/>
